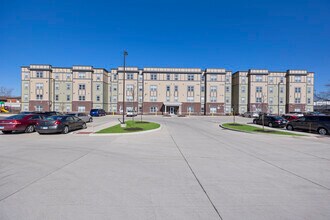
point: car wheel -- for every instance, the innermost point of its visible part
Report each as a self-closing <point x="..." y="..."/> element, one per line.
<point x="289" y="127"/>
<point x="270" y="124"/>
<point x="91" y="119"/>
<point x="84" y="126"/>
<point x="65" y="130"/>
<point x="322" y="131"/>
<point x="7" y="132"/>
<point x="29" y="129"/>
<point x="254" y="122"/>
<point x="250" y="116"/>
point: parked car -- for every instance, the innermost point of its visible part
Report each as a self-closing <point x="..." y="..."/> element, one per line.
<point x="60" y="124"/>
<point x="320" y="124"/>
<point x="97" y="112"/>
<point x="290" y="117"/>
<point x="83" y="116"/>
<point x="271" y="121"/>
<point x="251" y="114"/>
<point x="131" y="114"/>
<point x="48" y="113"/>
<point x="20" y="122"/>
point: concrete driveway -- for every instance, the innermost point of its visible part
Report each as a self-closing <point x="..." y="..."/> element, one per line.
<point x="190" y="169"/>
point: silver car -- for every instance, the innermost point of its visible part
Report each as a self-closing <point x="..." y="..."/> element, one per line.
<point x="83" y="116"/>
<point x="251" y="114"/>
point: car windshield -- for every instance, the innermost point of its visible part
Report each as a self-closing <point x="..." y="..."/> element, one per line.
<point x="54" y="118"/>
<point x="94" y="110"/>
<point x="16" y="117"/>
<point x="278" y="118"/>
<point x="72" y="114"/>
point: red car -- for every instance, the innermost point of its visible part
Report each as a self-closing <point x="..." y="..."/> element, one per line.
<point x="24" y="123"/>
<point x="290" y="117"/>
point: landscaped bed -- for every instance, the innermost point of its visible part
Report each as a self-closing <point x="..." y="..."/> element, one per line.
<point x="254" y="129"/>
<point x="131" y="126"/>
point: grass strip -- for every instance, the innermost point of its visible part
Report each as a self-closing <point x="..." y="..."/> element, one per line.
<point x="249" y="128"/>
<point x="131" y="126"/>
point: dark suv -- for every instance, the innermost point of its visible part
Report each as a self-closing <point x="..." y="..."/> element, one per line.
<point x="97" y="112"/>
<point x="320" y="124"/>
<point x="271" y="121"/>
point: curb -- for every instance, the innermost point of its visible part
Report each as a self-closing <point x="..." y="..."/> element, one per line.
<point x="116" y="134"/>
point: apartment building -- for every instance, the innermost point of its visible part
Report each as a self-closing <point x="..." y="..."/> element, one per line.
<point x="272" y="91"/>
<point x="193" y="91"/>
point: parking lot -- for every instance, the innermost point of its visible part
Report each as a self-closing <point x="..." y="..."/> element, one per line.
<point x="189" y="169"/>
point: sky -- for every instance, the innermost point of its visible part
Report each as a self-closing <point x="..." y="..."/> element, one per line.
<point x="235" y="35"/>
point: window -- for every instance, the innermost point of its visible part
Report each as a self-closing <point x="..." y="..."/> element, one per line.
<point x="281" y="100"/>
<point x="40" y="74"/>
<point x="68" y="98"/>
<point x="26" y="98"/>
<point x="140" y="77"/>
<point x="56" y="97"/>
<point x="26" y="75"/>
<point x="81" y="98"/>
<point x="258" y="78"/>
<point x="281" y="89"/>
<point x="203" y="78"/>
<point x="98" y="76"/>
<point x="227" y="89"/>
<point x="271" y="89"/>
<point x="176" y="88"/>
<point x="282" y="79"/>
<point x="115" y="77"/>
<point x="176" y="77"/>
<point x="213" y="88"/>
<point x="309" y="90"/>
<point x="82" y="86"/>
<point x="190" y="98"/>
<point x="81" y="75"/>
<point x="271" y="79"/>
<point x="214" y="77"/>
<point x="68" y="86"/>
<point x="202" y="88"/>
<point x="270" y="100"/>
<point x="39" y="97"/>
<point x="176" y="98"/>
<point x="168" y="77"/>
<point x="190" y="88"/>
<point x="297" y="100"/>
<point x="190" y="109"/>
<point x="168" y="88"/>
<point x="258" y="100"/>
<point x="153" y="98"/>
<point x="167" y="98"/>
<point x="243" y="100"/>
<point x="308" y="100"/>
<point x="213" y="99"/>
<point x="140" y="88"/>
<point x="153" y="88"/>
<point x="129" y="76"/>
<point x="81" y="108"/>
<point x="309" y="80"/>
<point x="213" y="110"/>
<point x="227" y="79"/>
<point x="68" y="76"/>
<point x="129" y="98"/>
<point x="98" y="87"/>
<point x="258" y="89"/>
<point x="243" y="80"/>
<point x="190" y="77"/>
<point x="39" y="108"/>
<point x="57" y="86"/>
<point x="26" y="85"/>
<point x="297" y="90"/>
<point x="56" y="76"/>
<point x="114" y="88"/>
<point x="97" y="98"/>
<point x="153" y="76"/>
<point x="243" y="89"/>
<point x="297" y="78"/>
<point x="227" y="100"/>
<point x="129" y="87"/>
<point x="153" y="109"/>
<point x="39" y="85"/>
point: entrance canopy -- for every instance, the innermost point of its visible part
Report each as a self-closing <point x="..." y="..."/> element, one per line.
<point x="172" y="103"/>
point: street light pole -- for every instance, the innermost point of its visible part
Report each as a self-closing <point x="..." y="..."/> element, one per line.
<point x="125" y="54"/>
<point x="278" y="98"/>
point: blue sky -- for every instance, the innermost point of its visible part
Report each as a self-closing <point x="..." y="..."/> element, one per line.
<point x="236" y="35"/>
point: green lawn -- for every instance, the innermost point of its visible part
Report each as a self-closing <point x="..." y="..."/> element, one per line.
<point x="249" y="128"/>
<point x="131" y="126"/>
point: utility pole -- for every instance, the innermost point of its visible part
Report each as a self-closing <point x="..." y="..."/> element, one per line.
<point x="124" y="89"/>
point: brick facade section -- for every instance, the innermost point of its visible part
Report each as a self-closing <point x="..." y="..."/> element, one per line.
<point x="292" y="107"/>
<point x="44" y="104"/>
<point x="220" y="106"/>
<point x="263" y="106"/>
<point x="147" y="105"/>
<point x="88" y="105"/>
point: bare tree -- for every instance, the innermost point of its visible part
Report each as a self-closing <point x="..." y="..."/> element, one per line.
<point x="4" y="91"/>
<point x="324" y="95"/>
